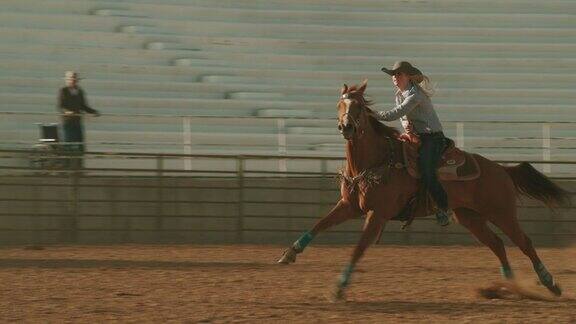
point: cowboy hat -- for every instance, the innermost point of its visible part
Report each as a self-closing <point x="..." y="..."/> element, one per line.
<point x="69" y="75"/>
<point x="402" y="67"/>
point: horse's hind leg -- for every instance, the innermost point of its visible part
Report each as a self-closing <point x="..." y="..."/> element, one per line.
<point x="340" y="213"/>
<point x="477" y="225"/>
<point x="508" y="223"/>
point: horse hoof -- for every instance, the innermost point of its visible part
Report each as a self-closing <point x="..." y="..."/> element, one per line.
<point x="338" y="295"/>
<point x="556" y="290"/>
<point x="289" y="256"/>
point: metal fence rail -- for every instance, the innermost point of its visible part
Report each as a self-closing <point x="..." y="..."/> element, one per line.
<point x="235" y="205"/>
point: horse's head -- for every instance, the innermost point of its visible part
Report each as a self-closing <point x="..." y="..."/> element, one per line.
<point x="352" y="112"/>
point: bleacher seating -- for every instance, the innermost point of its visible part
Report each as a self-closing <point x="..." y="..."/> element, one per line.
<point x="492" y="60"/>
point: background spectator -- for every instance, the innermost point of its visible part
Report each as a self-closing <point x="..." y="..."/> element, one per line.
<point x="72" y="104"/>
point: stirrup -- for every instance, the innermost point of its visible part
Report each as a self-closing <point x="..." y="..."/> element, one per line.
<point x="443" y="217"/>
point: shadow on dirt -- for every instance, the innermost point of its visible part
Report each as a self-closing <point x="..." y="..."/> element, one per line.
<point x="131" y="264"/>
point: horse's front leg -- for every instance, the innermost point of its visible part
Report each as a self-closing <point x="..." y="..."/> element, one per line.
<point x="373" y="225"/>
<point x="340" y="213"/>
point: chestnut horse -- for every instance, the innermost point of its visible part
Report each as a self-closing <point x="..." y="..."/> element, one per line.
<point x="489" y="198"/>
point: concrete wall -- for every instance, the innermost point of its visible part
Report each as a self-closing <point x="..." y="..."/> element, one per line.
<point x="47" y="209"/>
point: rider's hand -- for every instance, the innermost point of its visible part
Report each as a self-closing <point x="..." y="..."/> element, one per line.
<point x="409" y="128"/>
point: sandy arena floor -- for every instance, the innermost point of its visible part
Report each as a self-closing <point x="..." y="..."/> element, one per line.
<point x="213" y="284"/>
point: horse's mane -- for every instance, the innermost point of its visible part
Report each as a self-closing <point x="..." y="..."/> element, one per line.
<point x="378" y="127"/>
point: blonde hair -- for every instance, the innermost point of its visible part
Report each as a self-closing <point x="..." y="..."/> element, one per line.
<point x="423" y="83"/>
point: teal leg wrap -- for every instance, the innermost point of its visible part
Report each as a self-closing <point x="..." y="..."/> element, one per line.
<point x="345" y="276"/>
<point x="506" y="272"/>
<point x="545" y="277"/>
<point x="302" y="242"/>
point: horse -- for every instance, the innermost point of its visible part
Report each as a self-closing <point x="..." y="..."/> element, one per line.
<point x="373" y="148"/>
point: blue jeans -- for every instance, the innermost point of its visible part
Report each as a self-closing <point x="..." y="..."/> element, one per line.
<point x="74" y="132"/>
<point x="431" y="149"/>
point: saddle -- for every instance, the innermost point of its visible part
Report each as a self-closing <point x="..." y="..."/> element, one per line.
<point x="455" y="164"/>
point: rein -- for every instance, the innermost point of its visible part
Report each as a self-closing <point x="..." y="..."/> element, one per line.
<point x="372" y="176"/>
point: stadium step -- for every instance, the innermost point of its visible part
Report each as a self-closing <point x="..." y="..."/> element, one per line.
<point x="119" y="13"/>
<point x="492" y="61"/>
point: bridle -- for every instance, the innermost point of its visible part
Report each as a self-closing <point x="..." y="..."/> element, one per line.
<point x="374" y="175"/>
<point x="351" y="118"/>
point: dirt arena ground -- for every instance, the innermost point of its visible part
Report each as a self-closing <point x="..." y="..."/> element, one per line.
<point x="217" y="284"/>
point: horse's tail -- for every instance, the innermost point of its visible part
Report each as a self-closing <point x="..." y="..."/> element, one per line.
<point x="532" y="183"/>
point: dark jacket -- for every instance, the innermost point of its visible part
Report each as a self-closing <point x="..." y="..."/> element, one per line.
<point x="75" y="103"/>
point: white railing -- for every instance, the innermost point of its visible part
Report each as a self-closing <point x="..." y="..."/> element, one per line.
<point x="280" y="126"/>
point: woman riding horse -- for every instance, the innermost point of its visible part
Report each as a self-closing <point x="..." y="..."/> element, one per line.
<point x="376" y="183"/>
<point x="416" y="112"/>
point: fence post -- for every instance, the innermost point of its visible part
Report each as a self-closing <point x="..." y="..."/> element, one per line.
<point x="240" y="220"/>
<point x="324" y="168"/>
<point x="281" y="125"/>
<point x="187" y="141"/>
<point x="36" y="238"/>
<point x="159" y="195"/>
<point x="460" y="134"/>
<point x="75" y="206"/>
<point x="546" y="147"/>
<point x="324" y="185"/>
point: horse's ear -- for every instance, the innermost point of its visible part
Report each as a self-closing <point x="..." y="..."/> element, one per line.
<point x="363" y="86"/>
<point x="344" y="89"/>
